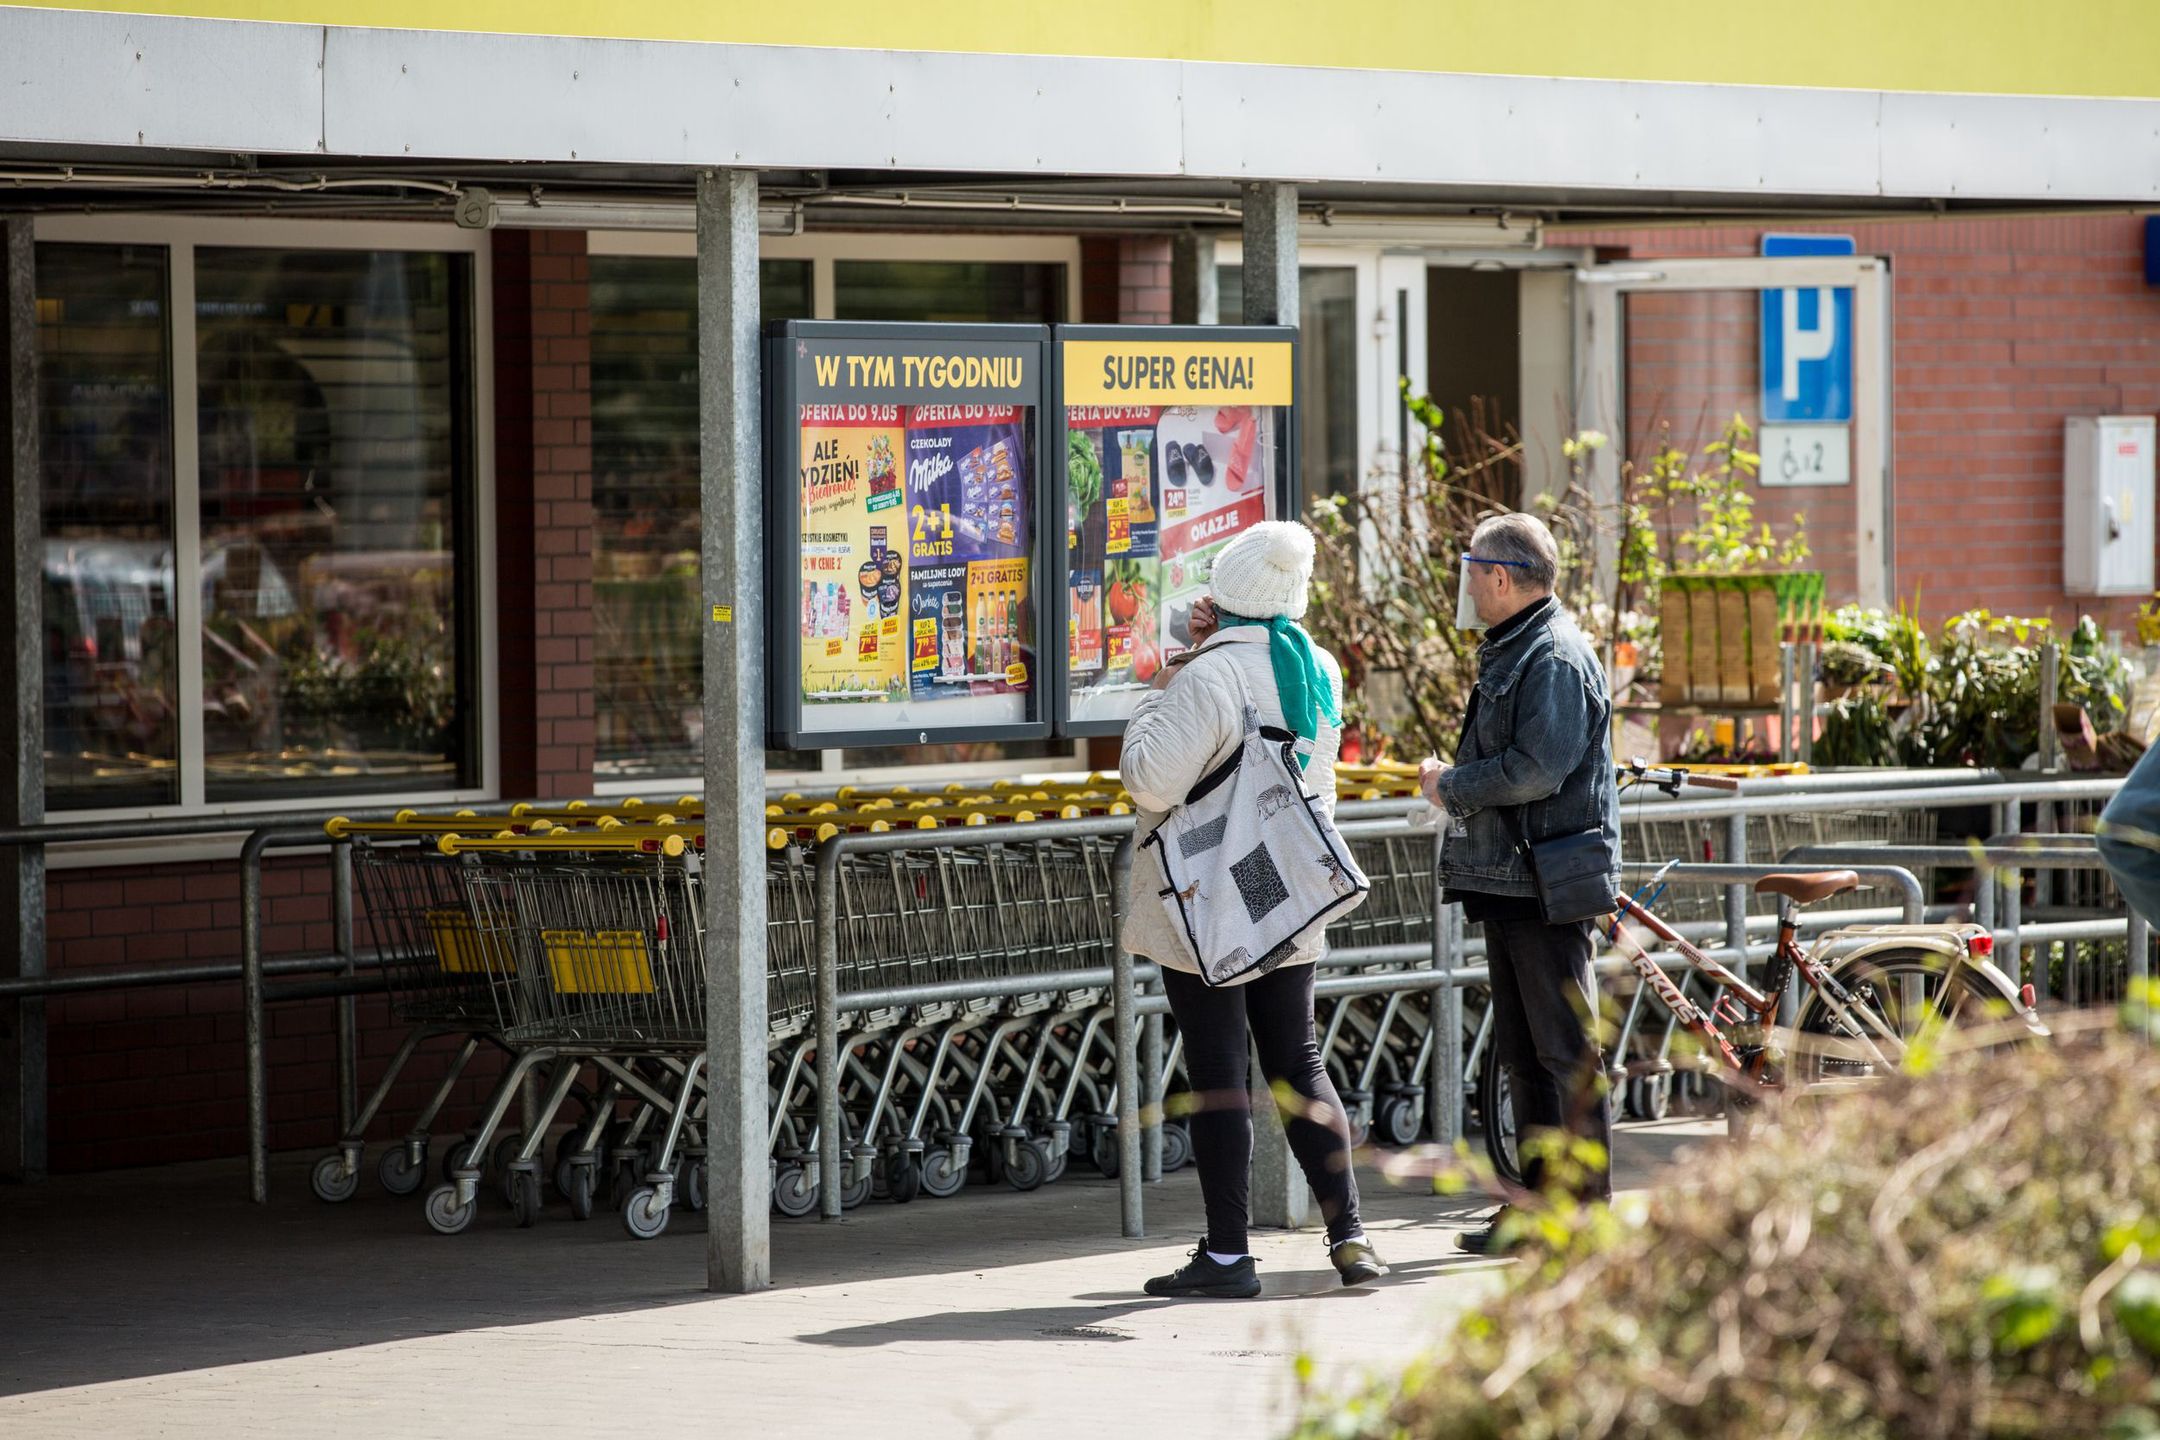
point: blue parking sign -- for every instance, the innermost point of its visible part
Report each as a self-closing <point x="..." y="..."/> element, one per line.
<point x="1807" y="338"/>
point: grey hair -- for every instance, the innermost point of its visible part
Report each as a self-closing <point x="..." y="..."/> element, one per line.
<point x="1526" y="541"/>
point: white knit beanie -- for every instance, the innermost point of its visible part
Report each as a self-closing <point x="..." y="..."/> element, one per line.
<point x="1264" y="572"/>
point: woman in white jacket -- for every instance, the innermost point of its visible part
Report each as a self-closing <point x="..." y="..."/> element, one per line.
<point x="1246" y="643"/>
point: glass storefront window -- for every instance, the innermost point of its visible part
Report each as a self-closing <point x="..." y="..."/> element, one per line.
<point x="105" y="419"/>
<point x="949" y="292"/>
<point x="333" y="494"/>
<point x="645" y="482"/>
<point x="1327" y="370"/>
<point x="648" y="670"/>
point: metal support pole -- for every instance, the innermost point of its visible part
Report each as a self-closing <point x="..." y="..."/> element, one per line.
<point x="1125" y="1041"/>
<point x="828" y="1058"/>
<point x="23" y="1140"/>
<point x="1270" y="267"/>
<point x="1195" y="297"/>
<point x="341" y="941"/>
<point x="738" y="1242"/>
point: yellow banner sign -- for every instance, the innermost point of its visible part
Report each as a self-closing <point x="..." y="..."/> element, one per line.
<point x="1177" y="372"/>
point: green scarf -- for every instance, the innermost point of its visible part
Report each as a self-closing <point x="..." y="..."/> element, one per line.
<point x="1307" y="697"/>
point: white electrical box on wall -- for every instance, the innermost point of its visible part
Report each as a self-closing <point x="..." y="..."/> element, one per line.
<point x="2108" y="531"/>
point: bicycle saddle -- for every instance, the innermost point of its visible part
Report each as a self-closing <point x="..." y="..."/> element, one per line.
<point x="1807" y="887"/>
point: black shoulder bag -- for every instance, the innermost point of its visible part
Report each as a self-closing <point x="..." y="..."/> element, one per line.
<point x="1572" y="873"/>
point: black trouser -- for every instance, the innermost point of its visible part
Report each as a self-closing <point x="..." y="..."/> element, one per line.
<point x="1544" y="999"/>
<point x="1278" y="1008"/>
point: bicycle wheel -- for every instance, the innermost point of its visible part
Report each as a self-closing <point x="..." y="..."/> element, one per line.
<point x="1905" y="991"/>
<point x="1496" y="1106"/>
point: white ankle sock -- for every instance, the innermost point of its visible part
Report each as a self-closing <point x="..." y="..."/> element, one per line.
<point x="1225" y="1259"/>
<point x="1358" y="1237"/>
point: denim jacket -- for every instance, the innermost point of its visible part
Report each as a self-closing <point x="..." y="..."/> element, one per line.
<point x="1535" y="761"/>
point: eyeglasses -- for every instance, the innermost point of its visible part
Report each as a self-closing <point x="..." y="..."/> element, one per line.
<point x="1481" y="560"/>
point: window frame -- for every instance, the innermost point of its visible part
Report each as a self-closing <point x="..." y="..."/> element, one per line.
<point x="825" y="252"/>
<point x="180" y="237"/>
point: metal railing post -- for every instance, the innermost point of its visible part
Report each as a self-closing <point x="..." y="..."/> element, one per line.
<point x="2048" y="739"/>
<point x="828" y="1026"/>
<point x="2010" y="822"/>
<point x="1151" y="1098"/>
<point x="341" y="942"/>
<point x="1444" y="1068"/>
<point x="1807" y="702"/>
<point x="251" y="1001"/>
<point x="1788" y="708"/>
<point x="1125" y="1042"/>
<point x="2140" y="956"/>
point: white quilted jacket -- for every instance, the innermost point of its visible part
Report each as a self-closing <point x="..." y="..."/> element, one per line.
<point x="1181" y="732"/>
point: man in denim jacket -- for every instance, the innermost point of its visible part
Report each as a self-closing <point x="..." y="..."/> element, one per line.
<point x="1534" y="763"/>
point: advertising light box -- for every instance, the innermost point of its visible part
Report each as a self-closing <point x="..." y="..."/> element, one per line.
<point x="905" y="535"/>
<point x="1173" y="439"/>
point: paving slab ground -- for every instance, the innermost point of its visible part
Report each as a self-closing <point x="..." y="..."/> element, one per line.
<point x="160" y="1303"/>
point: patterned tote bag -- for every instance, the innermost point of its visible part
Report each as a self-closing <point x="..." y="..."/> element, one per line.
<point x="1252" y="867"/>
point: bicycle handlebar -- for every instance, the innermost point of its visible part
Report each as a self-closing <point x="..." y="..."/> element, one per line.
<point x="1671" y="778"/>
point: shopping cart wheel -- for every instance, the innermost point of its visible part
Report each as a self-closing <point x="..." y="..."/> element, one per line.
<point x="579" y="1190"/>
<point x="1176" y="1148"/>
<point x="792" y="1193"/>
<point x="903" y="1178"/>
<point x="857" y="1189"/>
<point x="506" y="1150"/>
<point x="690" y="1182"/>
<point x="444" y="1214"/>
<point x="1657" y="1096"/>
<point x="1399" y="1121"/>
<point x="1103" y="1152"/>
<point x="645" y="1214"/>
<point x="399" y="1173"/>
<point x="332" y="1181"/>
<point x="942" y="1177"/>
<point x="525" y="1197"/>
<point x="1027" y="1166"/>
<point x="1357" y="1106"/>
<point x="458" y="1157"/>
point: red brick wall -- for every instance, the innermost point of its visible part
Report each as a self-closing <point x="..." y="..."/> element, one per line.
<point x="543" y="510"/>
<point x="146" y="1077"/>
<point x="1144" y="280"/>
<point x="2000" y="329"/>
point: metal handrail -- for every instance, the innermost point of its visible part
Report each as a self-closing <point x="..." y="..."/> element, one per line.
<point x="1757" y="798"/>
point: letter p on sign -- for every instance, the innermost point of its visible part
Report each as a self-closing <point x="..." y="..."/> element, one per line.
<point x="1806" y="342"/>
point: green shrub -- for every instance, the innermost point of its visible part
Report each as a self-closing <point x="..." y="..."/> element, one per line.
<point x="1974" y="1251"/>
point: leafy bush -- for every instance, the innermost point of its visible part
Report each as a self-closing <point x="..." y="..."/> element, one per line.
<point x="1969" y="697"/>
<point x="1938" y="1256"/>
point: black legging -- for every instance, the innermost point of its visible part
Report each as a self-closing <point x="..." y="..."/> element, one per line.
<point x="1279" y="1009"/>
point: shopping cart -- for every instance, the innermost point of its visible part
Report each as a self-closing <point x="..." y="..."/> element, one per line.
<point x="436" y="968"/>
<point x="599" y="939"/>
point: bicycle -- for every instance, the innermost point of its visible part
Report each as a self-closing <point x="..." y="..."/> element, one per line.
<point x="1869" y="992"/>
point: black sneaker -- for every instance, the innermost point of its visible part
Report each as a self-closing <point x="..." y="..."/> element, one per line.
<point x="1203" y="1276"/>
<point x="1356" y="1261"/>
<point x="1486" y="1240"/>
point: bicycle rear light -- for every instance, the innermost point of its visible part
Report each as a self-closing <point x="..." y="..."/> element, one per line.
<point x="1981" y="945"/>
